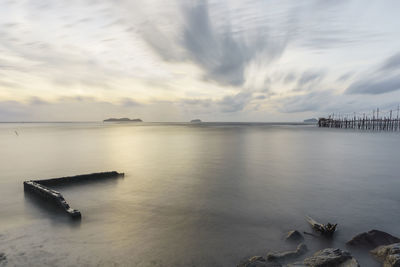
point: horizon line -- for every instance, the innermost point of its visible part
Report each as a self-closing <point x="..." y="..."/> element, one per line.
<point x="116" y="122"/>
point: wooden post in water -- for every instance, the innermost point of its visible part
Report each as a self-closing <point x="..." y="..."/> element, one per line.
<point x="372" y="122"/>
<point x="397" y="126"/>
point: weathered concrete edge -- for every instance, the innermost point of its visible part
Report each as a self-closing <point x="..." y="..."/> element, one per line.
<point x="78" y="178"/>
<point x="38" y="187"/>
<point x="52" y="195"/>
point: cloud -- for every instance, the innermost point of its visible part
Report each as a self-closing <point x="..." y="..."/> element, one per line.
<point x="380" y="80"/>
<point x="227" y="104"/>
<point x="165" y="44"/>
<point x="234" y="103"/>
<point x="392" y="63"/>
<point x="13" y="110"/>
<point x="232" y="55"/>
<point x="260" y="97"/>
<point x="309" y="77"/>
<point x="222" y="57"/>
<point x="128" y="102"/>
<point x="205" y="103"/>
<point x="345" y="77"/>
<point x="290" y="77"/>
<point x="222" y="51"/>
<point x="325" y="101"/>
<point x="67" y="109"/>
<point x="308" y="81"/>
<point x="37" y="101"/>
<point x="375" y="85"/>
<point x="312" y="101"/>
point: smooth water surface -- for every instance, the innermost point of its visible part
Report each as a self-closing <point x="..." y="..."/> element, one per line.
<point x="193" y="194"/>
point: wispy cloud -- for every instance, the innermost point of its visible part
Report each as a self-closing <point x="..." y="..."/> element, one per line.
<point x="177" y="59"/>
<point x="392" y="63"/>
<point x="379" y="80"/>
<point x="234" y="103"/>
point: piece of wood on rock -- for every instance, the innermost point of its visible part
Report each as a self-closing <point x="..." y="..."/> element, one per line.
<point x="325" y="229"/>
<point x="389" y="255"/>
<point x="329" y="257"/>
<point x="372" y="239"/>
<point x="258" y="261"/>
<point x="287" y="255"/>
<point x="294" y="236"/>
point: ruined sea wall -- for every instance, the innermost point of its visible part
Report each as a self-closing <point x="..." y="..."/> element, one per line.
<point x="39" y="187"/>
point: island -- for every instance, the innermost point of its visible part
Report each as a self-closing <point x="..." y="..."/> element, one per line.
<point x="122" y="120"/>
<point x="196" y="121"/>
<point x="313" y="120"/>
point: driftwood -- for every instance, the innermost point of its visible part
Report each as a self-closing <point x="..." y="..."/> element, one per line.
<point x="325" y="229"/>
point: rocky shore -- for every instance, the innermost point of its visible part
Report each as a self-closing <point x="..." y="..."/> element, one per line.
<point x="382" y="246"/>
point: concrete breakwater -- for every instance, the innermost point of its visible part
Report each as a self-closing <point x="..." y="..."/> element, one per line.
<point x="79" y="178"/>
<point x="39" y="187"/>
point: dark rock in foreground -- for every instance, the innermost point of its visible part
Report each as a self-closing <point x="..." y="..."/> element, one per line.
<point x="294" y="236"/>
<point x="287" y="255"/>
<point x="389" y="255"/>
<point x="258" y="261"/>
<point x="373" y="239"/>
<point x="329" y="257"/>
<point x="2" y="257"/>
<point x="122" y="120"/>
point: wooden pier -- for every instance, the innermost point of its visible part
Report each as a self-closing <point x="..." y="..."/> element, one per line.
<point x="364" y="122"/>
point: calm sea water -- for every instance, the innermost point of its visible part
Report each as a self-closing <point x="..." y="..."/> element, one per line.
<point x="193" y="195"/>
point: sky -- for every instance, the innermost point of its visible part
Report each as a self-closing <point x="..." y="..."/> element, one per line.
<point x="220" y="60"/>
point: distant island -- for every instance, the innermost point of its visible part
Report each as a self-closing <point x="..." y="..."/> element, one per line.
<point x="313" y="120"/>
<point x="122" y="120"/>
<point x="195" y="121"/>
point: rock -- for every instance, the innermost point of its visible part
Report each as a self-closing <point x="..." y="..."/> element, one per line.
<point x="389" y="254"/>
<point x="287" y="255"/>
<point x="258" y="261"/>
<point x="330" y="257"/>
<point x="2" y="257"/>
<point x="296" y="264"/>
<point x="373" y="239"/>
<point x="294" y="236"/>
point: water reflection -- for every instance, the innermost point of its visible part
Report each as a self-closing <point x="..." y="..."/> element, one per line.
<point x="36" y="206"/>
<point x="194" y="195"/>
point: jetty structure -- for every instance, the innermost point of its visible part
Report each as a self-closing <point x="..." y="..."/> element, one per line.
<point x="374" y="121"/>
<point x="40" y="188"/>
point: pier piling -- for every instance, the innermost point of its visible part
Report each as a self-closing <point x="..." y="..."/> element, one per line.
<point x="387" y="122"/>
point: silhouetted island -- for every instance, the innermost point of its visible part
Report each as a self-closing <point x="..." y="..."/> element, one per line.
<point x="122" y="120"/>
<point x="313" y="120"/>
<point x="195" y="121"/>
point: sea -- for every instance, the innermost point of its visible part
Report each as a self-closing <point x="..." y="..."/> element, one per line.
<point x="204" y="194"/>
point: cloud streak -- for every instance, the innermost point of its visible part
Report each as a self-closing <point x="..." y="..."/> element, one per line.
<point x="178" y="59"/>
<point x="381" y="80"/>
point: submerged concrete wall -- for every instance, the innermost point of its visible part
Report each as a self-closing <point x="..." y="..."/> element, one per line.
<point x="40" y="188"/>
<point x="79" y="178"/>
